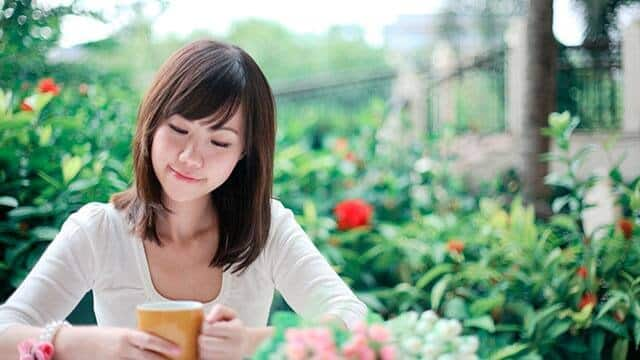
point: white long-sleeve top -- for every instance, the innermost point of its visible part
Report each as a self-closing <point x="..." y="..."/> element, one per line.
<point x="95" y="250"/>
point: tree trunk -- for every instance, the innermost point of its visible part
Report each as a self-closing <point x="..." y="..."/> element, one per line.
<point x="539" y="102"/>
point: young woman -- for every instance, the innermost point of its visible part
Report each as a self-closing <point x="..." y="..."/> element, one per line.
<point x="199" y="224"/>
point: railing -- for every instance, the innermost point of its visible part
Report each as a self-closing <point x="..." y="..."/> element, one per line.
<point x="469" y="98"/>
<point x="589" y="86"/>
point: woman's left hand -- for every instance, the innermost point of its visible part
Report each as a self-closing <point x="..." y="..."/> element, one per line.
<point x="223" y="335"/>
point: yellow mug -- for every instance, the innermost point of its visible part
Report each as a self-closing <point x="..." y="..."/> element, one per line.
<point x="177" y="321"/>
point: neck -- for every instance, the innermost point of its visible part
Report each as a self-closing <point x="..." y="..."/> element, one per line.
<point x="186" y="221"/>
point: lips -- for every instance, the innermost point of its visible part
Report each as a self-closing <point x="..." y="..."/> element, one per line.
<point x="183" y="177"/>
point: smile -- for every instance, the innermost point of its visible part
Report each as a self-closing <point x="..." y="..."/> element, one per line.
<point x="182" y="177"/>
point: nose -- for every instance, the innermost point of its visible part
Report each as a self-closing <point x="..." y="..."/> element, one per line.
<point x="190" y="156"/>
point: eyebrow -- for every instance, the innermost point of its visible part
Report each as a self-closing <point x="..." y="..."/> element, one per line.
<point x="216" y="128"/>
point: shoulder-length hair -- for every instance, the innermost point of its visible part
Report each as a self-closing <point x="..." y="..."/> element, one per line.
<point x="201" y="79"/>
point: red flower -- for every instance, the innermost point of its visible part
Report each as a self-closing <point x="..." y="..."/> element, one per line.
<point x="455" y="245"/>
<point x="351" y="157"/>
<point x="24" y="106"/>
<point x="626" y="226"/>
<point x="48" y="85"/>
<point x="353" y="213"/>
<point x="582" y="272"/>
<point x="587" y="299"/>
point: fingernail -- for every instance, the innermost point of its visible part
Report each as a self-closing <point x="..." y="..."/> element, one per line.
<point x="176" y="351"/>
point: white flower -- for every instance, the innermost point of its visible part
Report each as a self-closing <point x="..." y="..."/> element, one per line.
<point x="433" y="337"/>
<point x="412" y="344"/>
<point x="411" y="317"/>
<point x="423" y="165"/>
<point x="424" y="326"/>
<point x="467" y="357"/>
<point x="447" y="357"/>
<point x="429" y="316"/>
<point x="469" y="345"/>
<point x="448" y="329"/>
<point x="431" y="350"/>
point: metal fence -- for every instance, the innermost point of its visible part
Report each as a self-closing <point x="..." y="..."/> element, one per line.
<point x="470" y="98"/>
<point x="589" y="85"/>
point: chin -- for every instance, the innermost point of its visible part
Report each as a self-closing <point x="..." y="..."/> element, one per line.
<point x="181" y="196"/>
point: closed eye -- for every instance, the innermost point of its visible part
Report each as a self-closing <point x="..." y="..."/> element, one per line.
<point x="178" y="130"/>
<point x="219" y="144"/>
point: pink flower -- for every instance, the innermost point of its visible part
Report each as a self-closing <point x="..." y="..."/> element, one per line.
<point x="310" y="344"/>
<point x="360" y="328"/>
<point x="35" y="350"/>
<point x="388" y="353"/>
<point x="294" y="335"/>
<point x="296" y="351"/>
<point x="379" y="333"/>
<point x="358" y="348"/>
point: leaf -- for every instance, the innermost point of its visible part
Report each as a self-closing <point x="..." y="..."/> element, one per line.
<point x="636" y="332"/>
<point x="552" y="257"/>
<point x="609" y="324"/>
<point x="309" y="211"/>
<point x="71" y="165"/>
<point x="29" y="211"/>
<point x="45" y="232"/>
<point x="482" y="322"/>
<point x="372" y="301"/>
<point x="8" y="201"/>
<point x="620" y="350"/>
<point x="432" y="274"/>
<point x="509" y="351"/>
<point x="560" y="180"/>
<point x="456" y="308"/>
<point x="613" y="300"/>
<point x="485" y="305"/>
<point x="540" y="316"/>
<point x="53" y="182"/>
<point x="566" y="222"/>
<point x="40" y="101"/>
<point x="17" y="277"/>
<point x="44" y="134"/>
<point x="596" y="343"/>
<point x="557" y="329"/>
<point x="559" y="203"/>
<point x="15" y="123"/>
<point x="83" y="184"/>
<point x="438" y="291"/>
<point x="616" y="175"/>
<point x="580" y="157"/>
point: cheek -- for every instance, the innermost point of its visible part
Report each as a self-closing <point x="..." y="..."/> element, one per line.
<point x="160" y="147"/>
<point x="221" y="166"/>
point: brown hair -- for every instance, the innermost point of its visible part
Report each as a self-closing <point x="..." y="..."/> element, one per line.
<point x="203" y="78"/>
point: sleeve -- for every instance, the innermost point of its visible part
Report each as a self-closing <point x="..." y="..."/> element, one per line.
<point x="304" y="277"/>
<point x="61" y="277"/>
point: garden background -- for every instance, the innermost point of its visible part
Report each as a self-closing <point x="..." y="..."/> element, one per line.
<point x="443" y="170"/>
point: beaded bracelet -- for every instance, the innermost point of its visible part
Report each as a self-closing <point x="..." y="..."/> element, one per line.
<point x="51" y="329"/>
<point x="41" y="349"/>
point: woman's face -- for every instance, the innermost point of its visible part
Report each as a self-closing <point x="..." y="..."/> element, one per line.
<point x="191" y="159"/>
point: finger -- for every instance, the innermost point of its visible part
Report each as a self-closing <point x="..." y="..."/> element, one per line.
<point x="139" y="354"/>
<point x="220" y="313"/>
<point x="210" y="348"/>
<point x="146" y="341"/>
<point x="223" y="329"/>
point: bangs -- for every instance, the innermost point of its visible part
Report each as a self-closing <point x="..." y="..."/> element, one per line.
<point x="217" y="94"/>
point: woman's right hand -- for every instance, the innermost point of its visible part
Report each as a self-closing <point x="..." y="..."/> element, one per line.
<point x="99" y="343"/>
